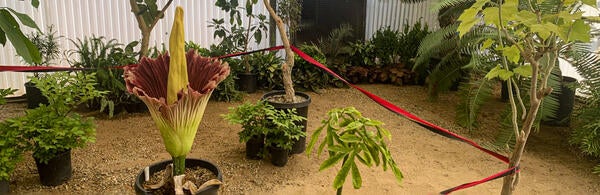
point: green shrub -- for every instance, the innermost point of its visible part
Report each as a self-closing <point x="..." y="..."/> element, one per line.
<point x="102" y="57"/>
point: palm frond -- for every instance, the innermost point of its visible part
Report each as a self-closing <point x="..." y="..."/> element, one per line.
<point x="473" y="94"/>
<point x="550" y="104"/>
<point x="433" y="43"/>
<point x="506" y="136"/>
<point x="453" y="6"/>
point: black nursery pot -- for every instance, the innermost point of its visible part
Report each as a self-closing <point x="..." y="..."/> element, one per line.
<point x="247" y="82"/>
<point x="4" y="186"/>
<point x="34" y="96"/>
<point x="189" y="163"/>
<point x="279" y="156"/>
<point x="57" y="171"/>
<point x="254" y="147"/>
<point x="301" y="108"/>
<point x="566" y="100"/>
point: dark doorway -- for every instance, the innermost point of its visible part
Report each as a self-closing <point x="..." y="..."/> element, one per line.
<point x="319" y="17"/>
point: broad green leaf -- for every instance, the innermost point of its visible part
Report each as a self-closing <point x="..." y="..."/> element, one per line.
<point x="467" y="20"/>
<point x="339" y="149"/>
<point x="25" y="19"/>
<point x="313" y="140"/>
<point x="525" y="17"/>
<point x="340" y="178"/>
<point x="331" y="161"/>
<point x="354" y="125"/>
<point x="512" y="53"/>
<point x="2" y="37"/>
<point x="579" y="32"/>
<point x="35" y="3"/>
<point x="24" y="47"/>
<point x="487" y="43"/>
<point x="356" y="179"/>
<point x="544" y="30"/>
<point x="350" y="138"/>
<point x="505" y="74"/>
<point x="589" y="2"/>
<point x="524" y="70"/>
<point x="493" y="73"/>
<point x="490" y="16"/>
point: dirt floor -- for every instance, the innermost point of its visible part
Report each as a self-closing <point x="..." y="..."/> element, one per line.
<point x="430" y="163"/>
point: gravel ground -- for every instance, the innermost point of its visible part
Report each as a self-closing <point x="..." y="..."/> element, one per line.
<point x="430" y="163"/>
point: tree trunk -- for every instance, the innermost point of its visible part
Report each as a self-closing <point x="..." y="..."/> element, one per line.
<point x="286" y="67"/>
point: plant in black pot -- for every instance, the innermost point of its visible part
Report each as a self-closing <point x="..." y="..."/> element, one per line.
<point x="54" y="130"/>
<point x="47" y="44"/>
<point x="284" y="130"/>
<point x="177" y="105"/>
<point x="253" y="118"/>
<point x="238" y="37"/>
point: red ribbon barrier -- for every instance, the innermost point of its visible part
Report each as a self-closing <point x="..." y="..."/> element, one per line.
<point x="386" y="104"/>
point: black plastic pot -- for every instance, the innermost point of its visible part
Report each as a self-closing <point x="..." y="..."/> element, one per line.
<point x="254" y="147"/>
<point x="301" y="108"/>
<point x="34" y="96"/>
<point x="279" y="156"/>
<point x="57" y="171"/>
<point x="4" y="187"/>
<point x="247" y="82"/>
<point x="189" y="162"/>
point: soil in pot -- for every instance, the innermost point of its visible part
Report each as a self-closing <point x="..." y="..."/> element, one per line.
<point x="303" y="100"/>
<point x="254" y="147"/>
<point x="247" y="82"/>
<point x="279" y="156"/>
<point x="34" y="96"/>
<point x="57" y="171"/>
<point x="4" y="186"/>
<point x="198" y="171"/>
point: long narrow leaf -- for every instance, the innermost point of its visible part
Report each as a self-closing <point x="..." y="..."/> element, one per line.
<point x="331" y="161"/>
<point x="356" y="178"/>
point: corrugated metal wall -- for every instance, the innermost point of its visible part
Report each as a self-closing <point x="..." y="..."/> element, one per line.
<point x="393" y="13"/>
<point x="77" y="19"/>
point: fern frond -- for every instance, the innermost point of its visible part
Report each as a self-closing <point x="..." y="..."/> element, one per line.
<point x="459" y="4"/>
<point x="433" y="43"/>
<point x="506" y="136"/>
<point x="473" y="95"/>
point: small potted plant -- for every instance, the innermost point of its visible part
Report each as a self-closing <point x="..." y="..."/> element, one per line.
<point x="350" y="136"/>
<point x="177" y="105"/>
<point x="253" y="118"/>
<point x="54" y="130"/>
<point x="47" y="44"/>
<point x="284" y="131"/>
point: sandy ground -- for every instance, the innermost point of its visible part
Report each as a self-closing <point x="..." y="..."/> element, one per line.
<point x="430" y="163"/>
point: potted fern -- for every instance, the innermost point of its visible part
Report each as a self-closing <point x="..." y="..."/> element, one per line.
<point x="177" y="105"/>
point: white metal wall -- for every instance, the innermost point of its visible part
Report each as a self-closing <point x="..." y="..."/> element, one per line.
<point x="112" y="19"/>
<point x="396" y="14"/>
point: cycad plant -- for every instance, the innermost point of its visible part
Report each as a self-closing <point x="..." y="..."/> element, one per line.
<point x="537" y="33"/>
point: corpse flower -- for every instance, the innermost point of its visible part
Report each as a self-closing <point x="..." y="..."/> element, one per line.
<point x="176" y="101"/>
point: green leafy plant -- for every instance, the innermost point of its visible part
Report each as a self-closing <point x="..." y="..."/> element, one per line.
<point x="12" y="146"/>
<point x="284" y="128"/>
<point x="387" y="45"/>
<point x="268" y="69"/>
<point x="47" y="44"/>
<point x="10" y="28"/>
<point x="238" y="37"/>
<point x="252" y="117"/>
<point x="102" y="57"/>
<point x="409" y="39"/>
<point x="54" y="128"/>
<point x="4" y="93"/>
<point x="537" y="33"/>
<point x="308" y="76"/>
<point x="350" y="137"/>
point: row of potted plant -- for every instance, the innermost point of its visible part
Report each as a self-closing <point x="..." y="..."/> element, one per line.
<point x="50" y="131"/>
